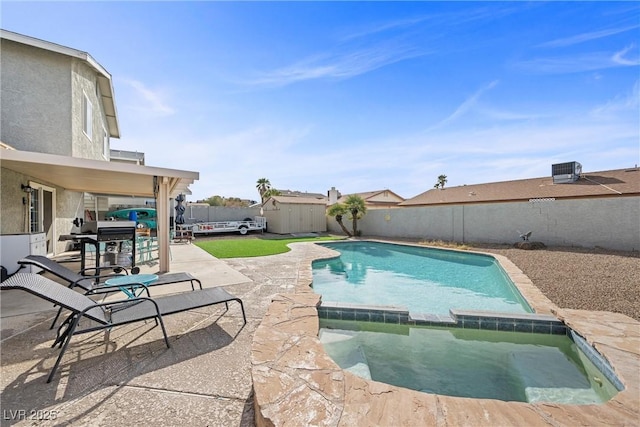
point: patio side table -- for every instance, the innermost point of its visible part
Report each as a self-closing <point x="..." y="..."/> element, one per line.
<point x="131" y="283"/>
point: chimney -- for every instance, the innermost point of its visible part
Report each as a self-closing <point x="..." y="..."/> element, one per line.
<point x="333" y="195"/>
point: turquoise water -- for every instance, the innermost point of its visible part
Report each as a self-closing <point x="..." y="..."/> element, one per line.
<point x="507" y="366"/>
<point x="424" y="280"/>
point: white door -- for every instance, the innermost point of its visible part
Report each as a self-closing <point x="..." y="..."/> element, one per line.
<point x="42" y="213"/>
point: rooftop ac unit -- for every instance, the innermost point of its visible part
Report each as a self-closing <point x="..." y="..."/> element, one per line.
<point x="564" y="173"/>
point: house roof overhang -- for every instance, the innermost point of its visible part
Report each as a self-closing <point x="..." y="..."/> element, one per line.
<point x="96" y="176"/>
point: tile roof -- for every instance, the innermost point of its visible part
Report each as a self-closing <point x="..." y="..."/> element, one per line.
<point x="592" y="184"/>
<point x="297" y="200"/>
<point x="293" y="193"/>
<point x="369" y="194"/>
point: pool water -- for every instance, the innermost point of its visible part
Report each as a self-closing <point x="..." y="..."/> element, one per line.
<point x="424" y="280"/>
<point x="508" y="366"/>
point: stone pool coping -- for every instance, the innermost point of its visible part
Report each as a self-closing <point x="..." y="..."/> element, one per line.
<point x="296" y="383"/>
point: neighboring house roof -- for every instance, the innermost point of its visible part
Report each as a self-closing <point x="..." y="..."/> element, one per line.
<point x="296" y="200"/>
<point x="126" y="156"/>
<point x="591" y="184"/>
<point x="104" y="78"/>
<point x="378" y="197"/>
<point x="293" y="193"/>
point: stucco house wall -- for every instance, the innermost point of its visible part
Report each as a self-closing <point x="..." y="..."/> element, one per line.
<point x="609" y="222"/>
<point x="36" y="101"/>
<point x="68" y="206"/>
<point x="84" y="80"/>
<point x="41" y="111"/>
<point x="11" y="202"/>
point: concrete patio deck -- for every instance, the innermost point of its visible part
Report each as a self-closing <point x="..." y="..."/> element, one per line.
<point x="132" y="378"/>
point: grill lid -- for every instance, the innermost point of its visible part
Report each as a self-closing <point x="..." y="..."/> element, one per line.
<point x="94" y="226"/>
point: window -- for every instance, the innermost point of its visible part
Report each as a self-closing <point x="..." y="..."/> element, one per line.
<point x="87" y="116"/>
<point x="35" y="210"/>
<point x="105" y="144"/>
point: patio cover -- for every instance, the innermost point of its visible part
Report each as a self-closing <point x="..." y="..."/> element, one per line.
<point x="103" y="177"/>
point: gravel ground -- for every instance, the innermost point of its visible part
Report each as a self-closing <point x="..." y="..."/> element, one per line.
<point x="585" y="279"/>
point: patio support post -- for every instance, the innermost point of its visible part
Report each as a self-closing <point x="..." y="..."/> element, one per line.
<point x="162" y="211"/>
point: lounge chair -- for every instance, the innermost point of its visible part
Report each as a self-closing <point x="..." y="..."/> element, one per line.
<point x="109" y="314"/>
<point x="90" y="284"/>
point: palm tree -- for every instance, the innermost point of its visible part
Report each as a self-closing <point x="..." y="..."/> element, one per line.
<point x="442" y="180"/>
<point x="263" y="186"/>
<point x="355" y="205"/>
<point x="338" y="210"/>
<point x="270" y="192"/>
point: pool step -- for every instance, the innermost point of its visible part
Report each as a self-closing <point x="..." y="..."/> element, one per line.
<point x="550" y="379"/>
<point x="349" y="358"/>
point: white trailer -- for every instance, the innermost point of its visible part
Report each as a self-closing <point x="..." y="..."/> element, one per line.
<point x="243" y="227"/>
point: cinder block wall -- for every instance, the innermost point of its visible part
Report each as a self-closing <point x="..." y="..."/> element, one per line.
<point x="611" y="222"/>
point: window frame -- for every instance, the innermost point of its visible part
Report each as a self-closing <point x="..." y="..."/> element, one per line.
<point x="105" y="144"/>
<point x="87" y="116"/>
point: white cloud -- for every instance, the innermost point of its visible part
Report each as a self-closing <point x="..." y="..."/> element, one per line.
<point x="381" y="27"/>
<point x="346" y="64"/>
<point x="621" y="103"/>
<point x="619" y="57"/>
<point x="585" y="37"/>
<point x="466" y="106"/>
<point x="578" y="63"/>
<point x="147" y="102"/>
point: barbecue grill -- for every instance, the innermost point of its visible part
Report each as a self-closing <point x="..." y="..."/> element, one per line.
<point x="95" y="232"/>
<point x="109" y="231"/>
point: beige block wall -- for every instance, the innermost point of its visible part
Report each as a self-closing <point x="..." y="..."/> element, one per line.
<point x="610" y="222"/>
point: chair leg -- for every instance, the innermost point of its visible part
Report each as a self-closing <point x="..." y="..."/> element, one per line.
<point x="63" y="347"/>
<point x="244" y="317"/>
<point x="55" y="319"/>
<point x="62" y="334"/>
<point x="164" y="331"/>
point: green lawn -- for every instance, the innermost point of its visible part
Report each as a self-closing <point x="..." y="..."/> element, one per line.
<point x="240" y="248"/>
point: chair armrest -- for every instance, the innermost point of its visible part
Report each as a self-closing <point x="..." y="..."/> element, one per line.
<point x="118" y="269"/>
<point x="111" y="306"/>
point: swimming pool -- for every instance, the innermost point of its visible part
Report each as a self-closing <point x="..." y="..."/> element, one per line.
<point x="507" y="366"/>
<point x="424" y="280"/>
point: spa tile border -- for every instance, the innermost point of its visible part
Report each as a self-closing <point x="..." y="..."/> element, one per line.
<point x="597" y="359"/>
<point x="465" y="319"/>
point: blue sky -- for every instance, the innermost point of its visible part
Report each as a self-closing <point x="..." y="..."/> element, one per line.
<point x="360" y="96"/>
